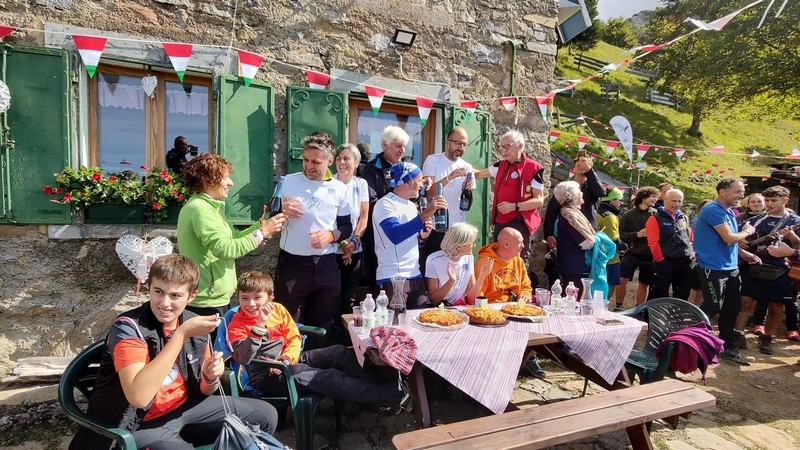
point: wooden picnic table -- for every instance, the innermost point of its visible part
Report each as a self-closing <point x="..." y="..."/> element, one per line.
<point x="547" y="345"/>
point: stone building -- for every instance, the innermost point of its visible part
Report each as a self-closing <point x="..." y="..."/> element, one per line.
<point x="61" y="282"/>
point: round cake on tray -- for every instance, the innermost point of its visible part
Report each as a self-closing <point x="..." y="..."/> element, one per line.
<point x="485" y="316"/>
<point x="515" y="309"/>
<point x="441" y="317"/>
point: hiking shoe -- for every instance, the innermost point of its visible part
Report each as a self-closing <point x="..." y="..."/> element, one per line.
<point x="758" y="330"/>
<point x="739" y="340"/>
<point x="737" y="357"/>
<point x="535" y="369"/>
<point x="793" y="335"/>
<point x="765" y="344"/>
<point x="618" y="307"/>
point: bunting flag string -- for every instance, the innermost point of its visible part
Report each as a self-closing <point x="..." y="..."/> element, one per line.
<point x="469" y="106"/>
<point x="424" y="105"/>
<point x="249" y="63"/>
<point x="179" y="55"/>
<point x="508" y="102"/>
<point x="317" y="80"/>
<point x="5" y="31"/>
<point x="375" y="96"/>
<point x="90" y="49"/>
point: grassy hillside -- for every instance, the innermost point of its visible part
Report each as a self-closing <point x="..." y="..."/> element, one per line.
<point x="740" y="130"/>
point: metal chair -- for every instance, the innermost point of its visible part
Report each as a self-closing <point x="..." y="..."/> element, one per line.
<point x="663" y="316"/>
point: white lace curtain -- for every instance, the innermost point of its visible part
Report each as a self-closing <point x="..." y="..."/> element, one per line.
<point x="128" y="96"/>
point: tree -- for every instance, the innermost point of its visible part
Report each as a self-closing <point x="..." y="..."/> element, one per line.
<point x="740" y="63"/>
<point x="618" y="31"/>
<point x="590" y="36"/>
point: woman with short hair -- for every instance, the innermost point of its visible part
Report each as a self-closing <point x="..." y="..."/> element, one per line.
<point x="450" y="272"/>
<point x="575" y="234"/>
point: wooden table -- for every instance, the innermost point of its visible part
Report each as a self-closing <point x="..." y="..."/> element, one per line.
<point x="546" y="345"/>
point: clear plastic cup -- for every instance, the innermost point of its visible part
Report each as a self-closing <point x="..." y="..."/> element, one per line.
<point x="389" y="317"/>
<point x="404" y="320"/>
<point x="599" y="307"/>
<point x="358" y="317"/>
<point x="543" y="297"/>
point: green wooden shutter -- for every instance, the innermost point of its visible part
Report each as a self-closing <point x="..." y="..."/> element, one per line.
<point x="246" y="127"/>
<point x="35" y="142"/>
<point x="309" y="110"/>
<point x="478" y="153"/>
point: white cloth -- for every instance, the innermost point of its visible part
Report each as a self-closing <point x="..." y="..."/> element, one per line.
<point x="439" y="166"/>
<point x="322" y="201"/>
<point x="400" y="260"/>
<point x="436" y="267"/>
<point x="536" y="184"/>
<point x="357" y="193"/>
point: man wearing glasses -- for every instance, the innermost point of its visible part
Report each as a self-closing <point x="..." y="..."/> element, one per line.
<point x="517" y="190"/>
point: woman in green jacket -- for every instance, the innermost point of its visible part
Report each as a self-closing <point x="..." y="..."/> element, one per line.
<point x="208" y="239"/>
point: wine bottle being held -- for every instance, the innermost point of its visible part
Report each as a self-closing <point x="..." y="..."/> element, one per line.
<point x="422" y="200"/>
<point x="441" y="218"/>
<point x="276" y="204"/>
<point x="465" y="203"/>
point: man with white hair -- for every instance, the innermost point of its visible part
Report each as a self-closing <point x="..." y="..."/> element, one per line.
<point x="376" y="173"/>
<point x="518" y="190"/>
<point x="670" y="240"/>
<point x="399" y="230"/>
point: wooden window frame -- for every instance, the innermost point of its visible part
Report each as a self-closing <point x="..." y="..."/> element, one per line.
<point x="155" y="118"/>
<point x="428" y="132"/>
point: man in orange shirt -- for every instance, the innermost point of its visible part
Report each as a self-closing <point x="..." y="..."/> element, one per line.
<point x="508" y="279"/>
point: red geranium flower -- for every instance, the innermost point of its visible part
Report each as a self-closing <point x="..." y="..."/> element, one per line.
<point x="83" y="194"/>
<point x="96" y="176"/>
<point x="58" y="191"/>
<point x="168" y="180"/>
<point x="156" y="205"/>
<point x="175" y="192"/>
<point x="48" y="190"/>
<point x="180" y="197"/>
<point x="112" y="178"/>
<point x="67" y="198"/>
<point x="163" y="174"/>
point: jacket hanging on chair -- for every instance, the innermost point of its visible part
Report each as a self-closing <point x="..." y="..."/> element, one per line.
<point x="697" y="348"/>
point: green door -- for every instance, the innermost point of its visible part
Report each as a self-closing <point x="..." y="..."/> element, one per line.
<point x="35" y="138"/>
<point x="246" y="127"/>
<point x="309" y="110"/>
<point x="478" y="153"/>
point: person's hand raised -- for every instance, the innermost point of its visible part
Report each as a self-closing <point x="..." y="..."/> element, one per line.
<point x="198" y="325"/>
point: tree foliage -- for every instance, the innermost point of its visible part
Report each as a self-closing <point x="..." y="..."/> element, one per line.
<point x="618" y="31"/>
<point x="741" y="63"/>
<point x="587" y="39"/>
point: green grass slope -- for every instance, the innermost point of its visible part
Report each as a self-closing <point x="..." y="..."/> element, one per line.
<point x="740" y="130"/>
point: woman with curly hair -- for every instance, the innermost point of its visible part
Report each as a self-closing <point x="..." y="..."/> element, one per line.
<point x="208" y="239"/>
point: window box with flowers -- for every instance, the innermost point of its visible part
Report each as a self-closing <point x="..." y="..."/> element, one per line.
<point x="120" y="198"/>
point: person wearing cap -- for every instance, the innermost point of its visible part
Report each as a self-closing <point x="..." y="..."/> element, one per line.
<point x="669" y="237"/>
<point x="608" y="212"/>
<point x="307" y="278"/>
<point x="400" y="230"/>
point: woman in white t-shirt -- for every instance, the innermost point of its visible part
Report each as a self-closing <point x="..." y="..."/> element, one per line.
<point x="450" y="272"/>
<point x="348" y="255"/>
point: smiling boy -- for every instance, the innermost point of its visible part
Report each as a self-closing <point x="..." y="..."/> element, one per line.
<point x="157" y="371"/>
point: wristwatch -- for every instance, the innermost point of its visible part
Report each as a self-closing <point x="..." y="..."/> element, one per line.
<point x="516" y="206"/>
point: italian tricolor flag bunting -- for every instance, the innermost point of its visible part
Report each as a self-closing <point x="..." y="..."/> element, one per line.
<point x="248" y="65"/>
<point x="424" y="105"/>
<point x="678" y="152"/>
<point x="755" y="154"/>
<point x="554" y="135"/>
<point x="90" y="48"/>
<point x="375" y="96"/>
<point x="508" y="102"/>
<point x="317" y="80"/>
<point x="179" y="55"/>
<point x="542" y="102"/>
<point x="641" y="150"/>
<point x="610" y="146"/>
<point x="795" y="154"/>
<point x="717" y="149"/>
<point x="5" y="31"/>
<point x="468" y="105"/>
<point x="582" y="140"/>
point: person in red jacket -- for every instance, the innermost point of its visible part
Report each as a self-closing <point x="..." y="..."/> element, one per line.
<point x="670" y="240"/>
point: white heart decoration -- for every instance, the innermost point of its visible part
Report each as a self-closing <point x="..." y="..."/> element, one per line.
<point x="5" y="97"/>
<point x="149" y="84"/>
<point x="138" y="255"/>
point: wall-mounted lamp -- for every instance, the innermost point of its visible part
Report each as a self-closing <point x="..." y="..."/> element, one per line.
<point x="403" y="39"/>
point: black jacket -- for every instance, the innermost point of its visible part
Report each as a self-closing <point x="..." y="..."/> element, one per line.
<point x="629" y="224"/>
<point x="376" y="173"/>
<point x="674" y="239"/>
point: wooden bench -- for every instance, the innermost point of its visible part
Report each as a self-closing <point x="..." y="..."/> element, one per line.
<point x="563" y="120"/>
<point x="589" y="62"/>
<point x="647" y="76"/>
<point x="664" y="98"/>
<point x="609" y="91"/>
<point x="630" y="409"/>
<point x="561" y="83"/>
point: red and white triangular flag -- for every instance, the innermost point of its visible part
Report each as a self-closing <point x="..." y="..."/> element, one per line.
<point x="641" y="150"/>
<point x="764" y="178"/>
<point x="755" y="154"/>
<point x="678" y="152"/>
<point x="554" y="135"/>
<point x="646" y="48"/>
<point x="179" y="55"/>
<point x="469" y="106"/>
<point x="605" y="161"/>
<point x="717" y="149"/>
<point x="571" y="173"/>
<point x="5" y="31"/>
<point x="375" y="96"/>
<point x="249" y="63"/>
<point x="610" y="146"/>
<point x="558" y="162"/>
<point x="542" y="102"/>
<point x="90" y="48"/>
<point x="582" y="140"/>
<point x="508" y="102"/>
<point x="424" y="105"/>
<point x="317" y="80"/>
<point x="795" y="154"/>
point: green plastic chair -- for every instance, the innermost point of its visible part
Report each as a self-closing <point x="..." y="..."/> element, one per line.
<point x="663" y="316"/>
<point x="81" y="374"/>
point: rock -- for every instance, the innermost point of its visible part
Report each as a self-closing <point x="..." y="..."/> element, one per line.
<point x="214" y="11"/>
<point x="176" y="2"/>
<point x="147" y="13"/>
<point x="380" y="42"/>
<point x="58" y="4"/>
<point x="182" y="18"/>
<point x="555" y="394"/>
<point x="485" y="54"/>
<point x="764" y="436"/>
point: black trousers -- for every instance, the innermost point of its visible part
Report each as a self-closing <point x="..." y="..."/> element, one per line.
<point x="199" y="422"/>
<point x="721" y="295"/>
<point x="678" y="274"/>
<point x="334" y="372"/>
<point x="308" y="286"/>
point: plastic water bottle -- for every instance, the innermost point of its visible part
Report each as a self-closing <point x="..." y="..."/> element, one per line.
<point x="555" y="296"/>
<point x="571" y="299"/>
<point x="368" y="311"/>
<point x="381" y="314"/>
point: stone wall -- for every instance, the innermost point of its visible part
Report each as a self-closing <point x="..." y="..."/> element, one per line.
<point x="58" y="295"/>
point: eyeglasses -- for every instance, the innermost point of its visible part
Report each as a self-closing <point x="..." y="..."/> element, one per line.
<point x="457" y="143"/>
<point x="508" y="146"/>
